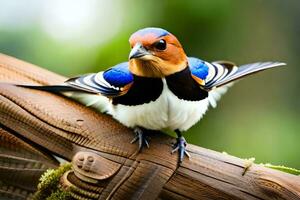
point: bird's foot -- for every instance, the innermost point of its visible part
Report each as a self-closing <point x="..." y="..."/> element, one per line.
<point x="180" y="146"/>
<point x="141" y="138"/>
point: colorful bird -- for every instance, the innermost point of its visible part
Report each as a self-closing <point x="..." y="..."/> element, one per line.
<point x="158" y="88"/>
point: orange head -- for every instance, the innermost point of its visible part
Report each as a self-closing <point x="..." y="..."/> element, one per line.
<point x="155" y="53"/>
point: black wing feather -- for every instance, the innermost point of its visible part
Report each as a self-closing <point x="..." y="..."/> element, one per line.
<point x="221" y="74"/>
<point x="56" y="88"/>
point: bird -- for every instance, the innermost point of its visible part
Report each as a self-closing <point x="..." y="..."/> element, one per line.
<point x="158" y="88"/>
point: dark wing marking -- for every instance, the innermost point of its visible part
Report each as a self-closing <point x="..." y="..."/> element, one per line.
<point x="113" y="82"/>
<point x="56" y="88"/>
<point x="222" y="73"/>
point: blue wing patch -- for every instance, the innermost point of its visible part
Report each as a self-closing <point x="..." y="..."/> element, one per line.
<point x="115" y="81"/>
<point x="118" y="75"/>
<point x="198" y="68"/>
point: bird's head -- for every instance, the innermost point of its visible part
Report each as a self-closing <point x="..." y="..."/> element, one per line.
<point x="155" y="53"/>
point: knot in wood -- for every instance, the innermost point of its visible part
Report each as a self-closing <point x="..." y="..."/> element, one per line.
<point x="91" y="167"/>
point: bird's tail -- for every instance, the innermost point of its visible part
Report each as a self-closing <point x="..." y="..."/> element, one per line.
<point x="90" y="99"/>
<point x="53" y="88"/>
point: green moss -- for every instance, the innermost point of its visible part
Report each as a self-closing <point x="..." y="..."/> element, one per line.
<point x="283" y="168"/>
<point x="59" y="195"/>
<point x="48" y="188"/>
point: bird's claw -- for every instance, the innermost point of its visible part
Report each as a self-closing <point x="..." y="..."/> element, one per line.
<point x="180" y="146"/>
<point x="141" y="138"/>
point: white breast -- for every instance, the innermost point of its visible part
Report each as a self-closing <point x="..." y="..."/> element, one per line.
<point x="167" y="111"/>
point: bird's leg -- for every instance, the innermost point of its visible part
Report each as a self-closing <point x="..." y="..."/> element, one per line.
<point x="180" y="146"/>
<point x="140" y="137"/>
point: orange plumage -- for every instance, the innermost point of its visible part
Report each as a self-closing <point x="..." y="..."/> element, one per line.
<point x="157" y="63"/>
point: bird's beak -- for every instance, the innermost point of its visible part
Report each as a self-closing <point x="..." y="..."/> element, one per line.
<point x="138" y="51"/>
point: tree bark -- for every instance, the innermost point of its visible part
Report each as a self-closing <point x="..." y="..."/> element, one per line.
<point x="36" y="125"/>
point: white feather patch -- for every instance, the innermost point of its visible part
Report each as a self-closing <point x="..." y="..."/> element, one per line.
<point x="167" y="112"/>
<point x="98" y="102"/>
<point x="215" y="94"/>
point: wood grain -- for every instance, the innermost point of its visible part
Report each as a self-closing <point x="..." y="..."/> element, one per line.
<point x="36" y="125"/>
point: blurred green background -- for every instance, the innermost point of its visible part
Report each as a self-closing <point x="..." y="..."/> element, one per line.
<point x="258" y="117"/>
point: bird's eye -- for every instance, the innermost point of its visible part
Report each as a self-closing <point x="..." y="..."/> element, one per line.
<point x="160" y="45"/>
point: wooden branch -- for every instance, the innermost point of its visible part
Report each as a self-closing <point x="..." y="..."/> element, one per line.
<point x="36" y="125"/>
